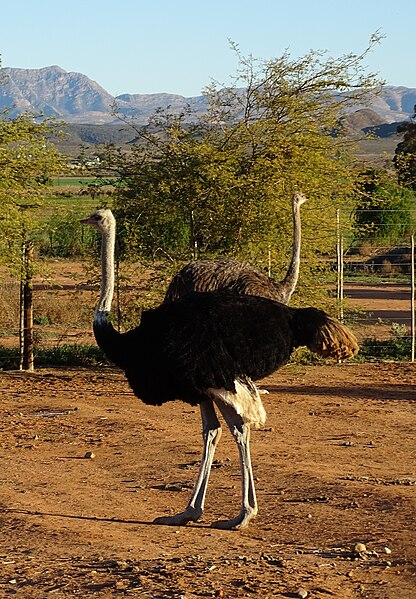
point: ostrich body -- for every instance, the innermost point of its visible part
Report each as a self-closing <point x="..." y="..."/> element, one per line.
<point x="207" y="349"/>
<point x="213" y="275"/>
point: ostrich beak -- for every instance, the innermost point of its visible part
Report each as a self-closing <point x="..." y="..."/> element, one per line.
<point x="87" y="221"/>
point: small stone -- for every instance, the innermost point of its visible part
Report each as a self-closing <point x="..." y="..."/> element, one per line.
<point x="122" y="584"/>
<point x="89" y="455"/>
<point x="387" y="550"/>
<point x="359" y="548"/>
<point x="302" y="593"/>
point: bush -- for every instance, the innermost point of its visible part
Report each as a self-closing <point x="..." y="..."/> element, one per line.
<point x="63" y="236"/>
<point x="398" y="347"/>
<point x="70" y="355"/>
<point x="62" y="355"/>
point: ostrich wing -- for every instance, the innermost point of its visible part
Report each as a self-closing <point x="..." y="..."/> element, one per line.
<point x="207" y="341"/>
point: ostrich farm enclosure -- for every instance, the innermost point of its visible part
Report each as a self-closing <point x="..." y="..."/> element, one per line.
<point x="86" y="467"/>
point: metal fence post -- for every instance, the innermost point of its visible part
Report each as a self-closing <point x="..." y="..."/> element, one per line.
<point x="340" y="270"/>
<point x="412" y="295"/>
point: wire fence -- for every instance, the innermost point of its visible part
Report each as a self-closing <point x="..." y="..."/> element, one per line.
<point x="376" y="278"/>
<point x="375" y="294"/>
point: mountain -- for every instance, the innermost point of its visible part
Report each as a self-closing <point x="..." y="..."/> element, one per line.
<point x="76" y="99"/>
<point x="72" y="97"/>
<point x="394" y="103"/>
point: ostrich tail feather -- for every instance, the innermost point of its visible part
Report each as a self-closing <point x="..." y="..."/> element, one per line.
<point x="335" y="340"/>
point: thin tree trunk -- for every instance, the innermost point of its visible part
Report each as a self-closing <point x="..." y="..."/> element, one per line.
<point x="28" y="356"/>
<point x="22" y="309"/>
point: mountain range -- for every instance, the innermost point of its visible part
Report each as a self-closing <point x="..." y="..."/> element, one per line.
<point x="77" y="100"/>
<point x="74" y="98"/>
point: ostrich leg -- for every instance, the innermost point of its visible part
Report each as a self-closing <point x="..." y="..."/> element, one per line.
<point x="211" y="431"/>
<point x="241" y="433"/>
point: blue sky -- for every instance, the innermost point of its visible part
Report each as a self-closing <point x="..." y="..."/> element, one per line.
<point x="179" y="46"/>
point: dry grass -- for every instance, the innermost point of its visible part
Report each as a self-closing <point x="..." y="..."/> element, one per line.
<point x="9" y="305"/>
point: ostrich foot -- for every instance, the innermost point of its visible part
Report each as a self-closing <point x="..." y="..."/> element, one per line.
<point x="191" y="514"/>
<point x="241" y="521"/>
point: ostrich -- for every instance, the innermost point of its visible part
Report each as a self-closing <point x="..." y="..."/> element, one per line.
<point x="212" y="275"/>
<point x="207" y="349"/>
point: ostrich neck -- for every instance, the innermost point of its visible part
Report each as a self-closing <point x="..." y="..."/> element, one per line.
<point x="292" y="274"/>
<point x="107" y="276"/>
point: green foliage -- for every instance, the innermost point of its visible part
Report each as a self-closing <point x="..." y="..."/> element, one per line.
<point x="398" y="347"/>
<point x="70" y="355"/>
<point x="405" y="153"/>
<point x="9" y="358"/>
<point x="385" y="211"/>
<point x="62" y="355"/>
<point x="27" y="160"/>
<point x="222" y="185"/>
<point x="63" y="236"/>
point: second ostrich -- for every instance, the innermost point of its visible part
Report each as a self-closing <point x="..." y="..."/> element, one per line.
<point x="206" y="349"/>
<point x="212" y="275"/>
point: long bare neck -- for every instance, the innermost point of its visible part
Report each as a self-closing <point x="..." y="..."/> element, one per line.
<point x="107" y="275"/>
<point x="292" y="275"/>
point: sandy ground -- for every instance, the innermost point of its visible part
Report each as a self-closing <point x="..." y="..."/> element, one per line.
<point x="334" y="465"/>
<point x="380" y="305"/>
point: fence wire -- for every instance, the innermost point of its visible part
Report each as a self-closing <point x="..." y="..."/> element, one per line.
<point x="375" y="291"/>
<point x="380" y="277"/>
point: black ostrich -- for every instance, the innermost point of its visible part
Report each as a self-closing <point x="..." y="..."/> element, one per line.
<point x="241" y="277"/>
<point x="207" y="349"/>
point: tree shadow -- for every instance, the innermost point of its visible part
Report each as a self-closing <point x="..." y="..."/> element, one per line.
<point x="377" y="392"/>
<point x="98" y="518"/>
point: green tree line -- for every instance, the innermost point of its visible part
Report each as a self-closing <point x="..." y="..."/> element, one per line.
<point x="221" y="184"/>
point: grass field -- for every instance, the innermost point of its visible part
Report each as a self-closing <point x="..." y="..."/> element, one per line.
<point x="72" y="181"/>
<point x="60" y="205"/>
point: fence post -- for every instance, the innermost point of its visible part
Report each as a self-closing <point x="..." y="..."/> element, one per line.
<point x="412" y="294"/>
<point x="340" y="270"/>
<point x="22" y="309"/>
<point x="26" y="309"/>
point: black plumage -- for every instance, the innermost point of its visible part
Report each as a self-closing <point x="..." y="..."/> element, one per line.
<point x="207" y="348"/>
<point x="203" y="341"/>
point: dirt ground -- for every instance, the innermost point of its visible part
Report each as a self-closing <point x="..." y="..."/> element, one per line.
<point x="334" y="466"/>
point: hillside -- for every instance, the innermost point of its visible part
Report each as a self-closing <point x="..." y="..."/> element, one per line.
<point x="75" y="98"/>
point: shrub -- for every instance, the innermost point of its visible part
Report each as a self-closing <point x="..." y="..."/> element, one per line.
<point x="398" y="347"/>
<point x="63" y="355"/>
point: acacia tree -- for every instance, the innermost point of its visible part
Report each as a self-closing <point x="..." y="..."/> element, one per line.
<point x="27" y="160"/>
<point x="222" y="183"/>
<point x="405" y="153"/>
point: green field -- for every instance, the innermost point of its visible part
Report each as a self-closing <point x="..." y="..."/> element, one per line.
<point x="72" y="181"/>
<point x="59" y="205"/>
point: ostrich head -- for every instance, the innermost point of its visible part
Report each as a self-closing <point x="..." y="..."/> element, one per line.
<point x="102" y="219"/>
<point x="298" y="199"/>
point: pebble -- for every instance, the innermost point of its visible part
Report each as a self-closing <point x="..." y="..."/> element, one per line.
<point x="302" y="593"/>
<point x="89" y="455"/>
<point x="387" y="550"/>
<point x="359" y="548"/>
